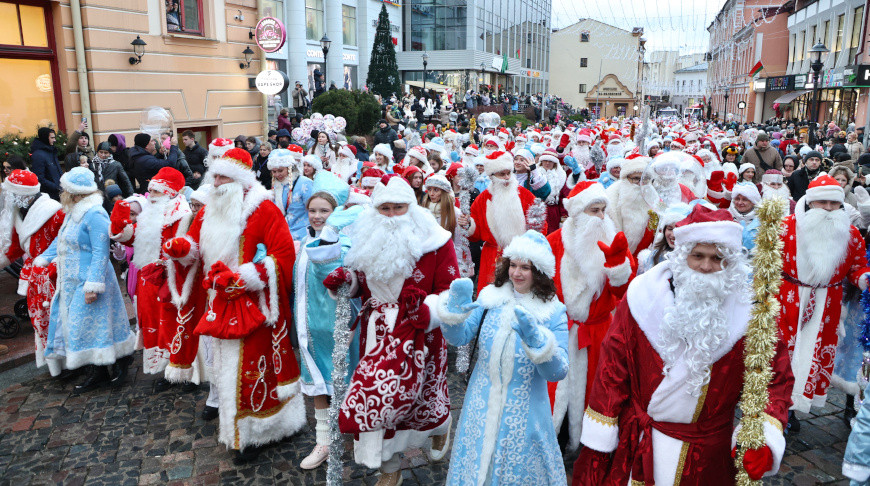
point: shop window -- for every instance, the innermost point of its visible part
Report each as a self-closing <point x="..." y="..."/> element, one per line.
<point x="314" y="19"/>
<point x="582" y="88"/>
<point x="184" y="16"/>
<point x="28" y="58"/>
<point x="348" y="25"/>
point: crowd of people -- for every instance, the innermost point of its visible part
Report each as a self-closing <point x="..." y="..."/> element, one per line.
<point x="597" y="272"/>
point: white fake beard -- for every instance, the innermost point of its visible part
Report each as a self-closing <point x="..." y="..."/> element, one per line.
<point x="582" y="270"/>
<point x="504" y="213"/>
<point x="632" y="213"/>
<point x="557" y="177"/>
<point x="149" y="231"/>
<point x="221" y="226"/>
<point x="384" y="248"/>
<point x="696" y="326"/>
<point x="769" y="192"/>
<point x="822" y="244"/>
<point x="583" y="155"/>
<point x="344" y="168"/>
<point x="616" y="150"/>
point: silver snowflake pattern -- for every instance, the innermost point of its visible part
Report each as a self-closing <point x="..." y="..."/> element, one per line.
<point x="451" y="270"/>
<point x="417" y="275"/>
<point x="790" y="297"/>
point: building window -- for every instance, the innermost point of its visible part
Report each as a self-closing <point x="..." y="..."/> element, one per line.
<point x="348" y="25"/>
<point x="528" y="63"/>
<point x="27" y="55"/>
<point x="799" y="47"/>
<point x="313" y="19"/>
<point x="584" y="36"/>
<point x="582" y="88"/>
<point x="274" y="8"/>
<point x="826" y="40"/>
<point x="584" y="61"/>
<point x="856" y="31"/>
<point x="184" y="16"/>
<point x="838" y="45"/>
<point x="528" y="38"/>
<point x="791" y="51"/>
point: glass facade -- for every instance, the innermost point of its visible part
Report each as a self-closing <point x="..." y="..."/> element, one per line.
<point x="435" y="25"/>
<point x="348" y="25"/>
<point x="314" y="22"/>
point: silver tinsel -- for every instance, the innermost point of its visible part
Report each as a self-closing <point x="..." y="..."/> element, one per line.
<point x="641" y="135"/>
<point x="467" y="176"/>
<point x="536" y="216"/>
<point x="597" y="156"/>
<point x="863" y="379"/>
<point x="340" y="352"/>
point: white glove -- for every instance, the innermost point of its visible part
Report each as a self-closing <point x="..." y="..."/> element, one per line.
<point x="863" y="205"/>
<point x="862" y="281"/>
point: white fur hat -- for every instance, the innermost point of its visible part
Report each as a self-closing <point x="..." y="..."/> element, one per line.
<point x="313" y="161"/>
<point x="384" y="150"/>
<point x="280" y="158"/>
<point x="729" y="168"/>
<point x="744" y="167"/>
<point x="396" y="191"/>
<point x="440" y="182"/>
<point x="532" y="247"/>
<point x="497" y="162"/>
<point x="346" y="151"/>
<point x="705" y="225"/>
<point x="824" y="188"/>
<point x="747" y="190"/>
<point x="631" y="166"/>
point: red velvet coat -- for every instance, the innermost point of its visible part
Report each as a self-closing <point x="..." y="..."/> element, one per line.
<point x="490" y="253"/>
<point x="813" y="362"/>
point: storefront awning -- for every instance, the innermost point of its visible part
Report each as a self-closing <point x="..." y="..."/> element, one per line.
<point x="789" y="97"/>
<point x="432" y="86"/>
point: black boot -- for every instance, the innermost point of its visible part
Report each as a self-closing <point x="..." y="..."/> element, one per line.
<point x="849" y="412"/>
<point x="119" y="370"/>
<point x="209" y="413"/>
<point x="97" y="377"/>
<point x="794" y="425"/>
<point x="162" y="385"/>
<point x="67" y="375"/>
<point x="188" y="387"/>
<point x="247" y="455"/>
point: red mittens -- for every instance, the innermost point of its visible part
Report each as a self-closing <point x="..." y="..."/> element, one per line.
<point x="756" y="462"/>
<point x="177" y="248"/>
<point x="120" y="217"/>
<point x="716" y="180"/>
<point x="337" y="278"/>
<point x="616" y="253"/>
<point x="730" y="180"/>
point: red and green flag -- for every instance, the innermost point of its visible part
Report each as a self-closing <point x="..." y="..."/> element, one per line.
<point x="756" y="69"/>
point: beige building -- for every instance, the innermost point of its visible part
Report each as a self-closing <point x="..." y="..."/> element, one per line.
<point x="73" y="59"/>
<point x="595" y="65"/>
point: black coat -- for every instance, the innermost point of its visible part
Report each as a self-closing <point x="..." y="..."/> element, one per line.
<point x="44" y="164"/>
<point x="799" y="181"/>
<point x="261" y="168"/>
<point x="145" y="166"/>
<point x="387" y="136"/>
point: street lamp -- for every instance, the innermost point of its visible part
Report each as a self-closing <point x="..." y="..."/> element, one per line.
<point x="249" y="56"/>
<point x="726" y="104"/>
<point x="482" y="70"/>
<point x="138" y="49"/>
<point x="425" y="63"/>
<point x="816" y="52"/>
<point x="324" y="46"/>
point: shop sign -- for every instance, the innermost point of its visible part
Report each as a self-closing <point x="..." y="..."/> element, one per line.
<point x="348" y="56"/>
<point x="314" y="53"/>
<point x="759" y="85"/>
<point x="271" y="82"/>
<point x="832" y="78"/>
<point x="858" y="75"/>
<point x="270" y="34"/>
<point x="780" y="83"/>
<point x="533" y="74"/>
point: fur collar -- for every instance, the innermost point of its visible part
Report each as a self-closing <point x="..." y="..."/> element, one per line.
<point x="649" y="294"/>
<point x="85" y="205"/>
<point x="43" y="209"/>
<point x="491" y="297"/>
<point x="253" y="198"/>
<point x="436" y="236"/>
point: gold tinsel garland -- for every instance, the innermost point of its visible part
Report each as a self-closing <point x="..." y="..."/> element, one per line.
<point x="761" y="335"/>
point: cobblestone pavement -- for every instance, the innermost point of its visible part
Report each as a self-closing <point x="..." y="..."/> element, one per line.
<point x="133" y="435"/>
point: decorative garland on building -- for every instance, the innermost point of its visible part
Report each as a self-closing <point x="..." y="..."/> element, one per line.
<point x="761" y="335"/>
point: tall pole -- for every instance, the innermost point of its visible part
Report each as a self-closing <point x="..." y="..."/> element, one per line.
<point x="598" y="89"/>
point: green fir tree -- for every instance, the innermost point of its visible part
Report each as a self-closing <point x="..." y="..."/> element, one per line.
<point x="383" y="77"/>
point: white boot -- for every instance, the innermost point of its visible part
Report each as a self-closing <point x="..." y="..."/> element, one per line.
<point x="321" y="450"/>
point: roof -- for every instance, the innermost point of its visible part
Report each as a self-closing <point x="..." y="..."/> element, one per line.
<point x="697" y="68"/>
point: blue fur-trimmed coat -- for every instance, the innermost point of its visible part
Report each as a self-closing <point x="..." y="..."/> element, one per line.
<point x="505" y="434"/>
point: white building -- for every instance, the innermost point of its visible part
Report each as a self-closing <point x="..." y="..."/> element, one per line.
<point x="689" y="87"/>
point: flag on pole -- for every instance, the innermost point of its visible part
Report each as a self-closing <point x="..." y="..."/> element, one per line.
<point x="756" y="69"/>
<point x="504" y="63"/>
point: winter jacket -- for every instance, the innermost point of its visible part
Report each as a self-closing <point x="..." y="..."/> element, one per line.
<point x="43" y="160"/>
<point x="145" y="166"/>
<point x="799" y="181"/>
<point x="387" y="136"/>
<point x="111" y="170"/>
<point x="261" y="168"/>
<point x="121" y="155"/>
<point x="195" y="157"/>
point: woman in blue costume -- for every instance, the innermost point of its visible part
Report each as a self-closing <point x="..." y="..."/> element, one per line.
<point x="505" y="435"/>
<point x="321" y="252"/>
<point x="88" y="324"/>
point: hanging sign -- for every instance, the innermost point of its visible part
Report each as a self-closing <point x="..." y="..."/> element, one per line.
<point x="270" y="34"/>
<point x="271" y="82"/>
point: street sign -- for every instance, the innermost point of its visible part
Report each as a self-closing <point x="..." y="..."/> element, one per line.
<point x="271" y="82"/>
<point x="270" y="34"/>
<point x="862" y="75"/>
<point x="741" y="105"/>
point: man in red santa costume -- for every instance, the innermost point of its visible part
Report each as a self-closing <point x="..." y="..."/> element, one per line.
<point x="821" y="250"/>
<point x="29" y="222"/>
<point x="593" y="268"/>
<point x="661" y="409"/>
<point x="165" y="216"/>
<point x="247" y="255"/>
<point x="402" y="261"/>
<point x="627" y="208"/>
<point x="500" y="213"/>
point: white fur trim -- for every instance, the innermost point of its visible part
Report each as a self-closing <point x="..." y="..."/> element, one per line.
<point x="570" y="399"/>
<point x="747" y="190"/>
<point x="177" y="374"/>
<point x="19" y="189"/>
<point x="233" y="170"/>
<point x="503" y="162"/>
<point x="491" y="297"/>
<point x="43" y="209"/>
<point x="98" y="287"/>
<point x="273" y="309"/>
<point x="773" y="439"/>
<point x="848" y="387"/>
<point x="85" y="205"/>
<point x="432" y="301"/>
<point x="825" y="193"/>
<point x="856" y="472"/>
<point x="370" y="181"/>
<point x="725" y="233"/>
<point x="40" y="262"/>
<point x="599" y="436"/>
<point x="125" y="235"/>
<point x="161" y="186"/>
<point x="396" y="191"/>
<point x="544" y="353"/>
<point x="637" y="164"/>
<point x="447" y="317"/>
<point x="619" y="274"/>
<point x="580" y="201"/>
<point x="95" y="356"/>
<point x="248" y="272"/>
<point x="288" y="391"/>
<point x="523" y="249"/>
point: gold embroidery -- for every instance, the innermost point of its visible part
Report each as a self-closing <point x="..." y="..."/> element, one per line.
<point x="635" y="482"/>
<point x="601" y="418"/>
<point x="776" y="423"/>
<point x="684" y="451"/>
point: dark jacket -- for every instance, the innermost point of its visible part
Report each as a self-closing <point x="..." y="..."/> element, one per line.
<point x="145" y="166"/>
<point x="111" y="170"/>
<point x="387" y="136"/>
<point x="798" y="182"/>
<point x="179" y="162"/>
<point x="196" y="161"/>
<point x="261" y="168"/>
<point x="118" y="140"/>
<point x="43" y="160"/>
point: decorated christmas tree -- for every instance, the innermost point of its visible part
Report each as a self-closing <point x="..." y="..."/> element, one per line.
<point x="383" y="77"/>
